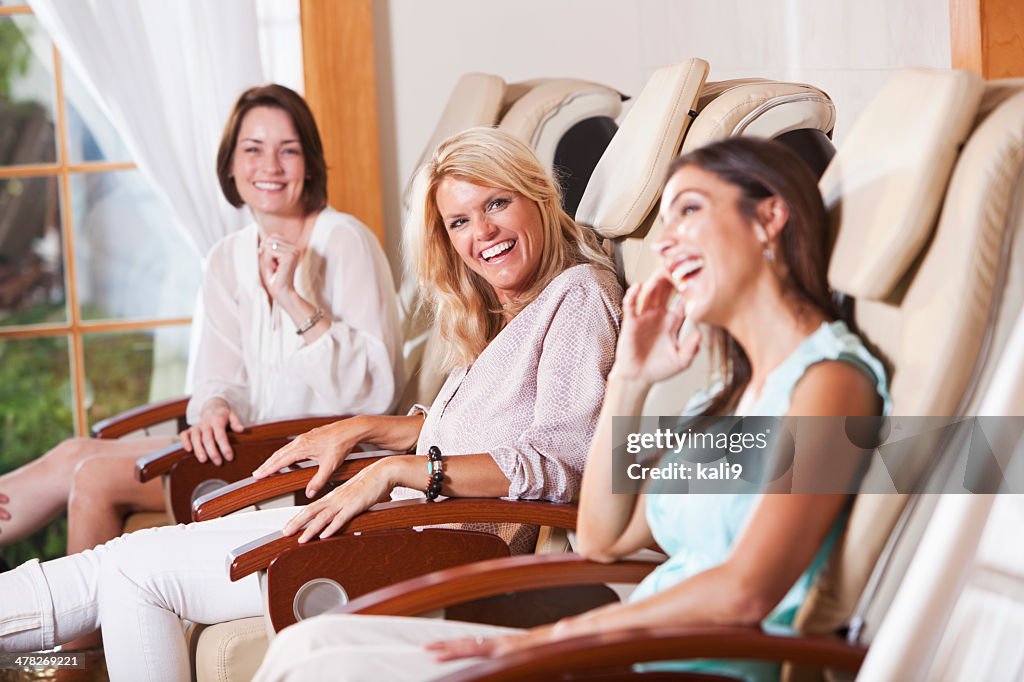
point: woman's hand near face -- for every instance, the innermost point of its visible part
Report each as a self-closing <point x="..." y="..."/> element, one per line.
<point x="649" y="349"/>
<point x="277" y="271"/>
<point x="278" y="260"/>
<point x="208" y="439"/>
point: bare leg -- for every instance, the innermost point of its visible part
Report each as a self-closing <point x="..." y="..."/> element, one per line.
<point x="39" y="490"/>
<point x="104" y="491"/>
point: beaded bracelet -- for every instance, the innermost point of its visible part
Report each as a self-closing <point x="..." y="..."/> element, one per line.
<point x="435" y="473"/>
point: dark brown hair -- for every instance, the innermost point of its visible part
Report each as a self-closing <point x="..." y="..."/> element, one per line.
<point x="760" y="169"/>
<point x="314" y="189"/>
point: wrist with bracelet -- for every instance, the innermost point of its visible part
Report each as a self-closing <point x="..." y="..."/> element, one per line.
<point x="435" y="473"/>
<point x="311" y="322"/>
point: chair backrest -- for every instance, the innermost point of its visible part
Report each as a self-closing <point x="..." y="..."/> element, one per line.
<point x="477" y="100"/>
<point x="984" y="192"/>
<point x="942" y="317"/>
<point x="568" y="123"/>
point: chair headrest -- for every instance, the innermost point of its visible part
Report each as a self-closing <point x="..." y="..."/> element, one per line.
<point x="476" y="100"/>
<point x="627" y="181"/>
<point x="884" y="187"/>
<point x="765" y="108"/>
<point x="975" y="265"/>
<point x="759" y="107"/>
<point x="548" y="108"/>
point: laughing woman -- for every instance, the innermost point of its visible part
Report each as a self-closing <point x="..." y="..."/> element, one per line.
<point x="529" y="306"/>
<point x="743" y="247"/>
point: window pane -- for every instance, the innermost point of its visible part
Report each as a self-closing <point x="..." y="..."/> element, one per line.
<point x="130" y="260"/>
<point x="31" y="252"/>
<point x="127" y="369"/>
<point x="91" y="137"/>
<point x="26" y="93"/>
<point x="35" y="415"/>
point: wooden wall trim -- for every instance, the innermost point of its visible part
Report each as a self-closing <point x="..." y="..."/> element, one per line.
<point x="987" y="36"/>
<point x="341" y="88"/>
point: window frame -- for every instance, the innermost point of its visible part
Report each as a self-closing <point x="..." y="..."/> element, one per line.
<point x="75" y="328"/>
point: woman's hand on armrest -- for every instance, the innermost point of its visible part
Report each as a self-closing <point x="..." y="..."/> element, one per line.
<point x="209" y="438"/>
<point x="329" y="445"/>
<point x="465" y="476"/>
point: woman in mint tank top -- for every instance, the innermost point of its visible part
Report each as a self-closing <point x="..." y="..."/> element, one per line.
<point x="743" y="252"/>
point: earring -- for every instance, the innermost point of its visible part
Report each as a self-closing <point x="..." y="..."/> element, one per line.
<point x="769" y="255"/>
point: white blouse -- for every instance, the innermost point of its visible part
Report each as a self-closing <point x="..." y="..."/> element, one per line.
<point x="249" y="354"/>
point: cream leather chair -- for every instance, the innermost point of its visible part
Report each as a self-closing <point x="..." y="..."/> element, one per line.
<point x="938" y="301"/>
<point x="943" y="333"/>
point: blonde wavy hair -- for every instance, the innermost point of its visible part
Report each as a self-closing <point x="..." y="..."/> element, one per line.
<point x="465" y="308"/>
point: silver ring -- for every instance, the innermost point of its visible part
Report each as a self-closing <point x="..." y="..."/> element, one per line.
<point x="273" y="246"/>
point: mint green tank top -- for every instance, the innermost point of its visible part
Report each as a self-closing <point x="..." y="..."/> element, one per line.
<point x="698" y="531"/>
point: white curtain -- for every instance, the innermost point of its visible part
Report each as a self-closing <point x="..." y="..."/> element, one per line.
<point x="166" y="74"/>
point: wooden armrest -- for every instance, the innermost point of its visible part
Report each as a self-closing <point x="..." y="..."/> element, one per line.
<point x="250" y="491"/>
<point x="140" y="418"/>
<point x="492" y="578"/>
<point x="162" y="461"/>
<point x="618" y="650"/>
<point x="257" y="555"/>
<point x="364" y="562"/>
<point x="159" y="463"/>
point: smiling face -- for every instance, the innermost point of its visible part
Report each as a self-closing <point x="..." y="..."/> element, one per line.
<point x="708" y="247"/>
<point x="498" y="233"/>
<point x="268" y="164"/>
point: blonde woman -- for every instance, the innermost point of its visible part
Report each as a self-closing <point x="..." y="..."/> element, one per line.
<point x="529" y="306"/>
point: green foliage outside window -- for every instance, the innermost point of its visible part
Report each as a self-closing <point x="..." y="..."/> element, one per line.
<point x="14" y="55"/>
<point x="36" y="412"/>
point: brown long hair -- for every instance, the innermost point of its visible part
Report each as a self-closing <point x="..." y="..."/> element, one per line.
<point x="314" y="188"/>
<point x="760" y="169"/>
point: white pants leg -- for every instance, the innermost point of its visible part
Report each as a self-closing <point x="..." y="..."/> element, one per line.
<point x="365" y="649"/>
<point x="138" y="587"/>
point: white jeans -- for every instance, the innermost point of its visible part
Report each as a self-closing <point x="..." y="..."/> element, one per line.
<point x="138" y="587"/>
<point x="365" y="649"/>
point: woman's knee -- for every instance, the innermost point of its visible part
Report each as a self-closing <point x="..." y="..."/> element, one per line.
<point x="67" y="455"/>
<point x="94" y="481"/>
